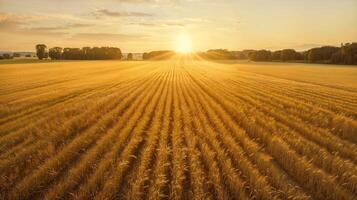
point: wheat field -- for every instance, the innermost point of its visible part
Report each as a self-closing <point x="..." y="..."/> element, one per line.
<point x="178" y="129"/>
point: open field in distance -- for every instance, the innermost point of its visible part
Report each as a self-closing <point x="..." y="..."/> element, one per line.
<point x="28" y="60"/>
<point x="178" y="129"/>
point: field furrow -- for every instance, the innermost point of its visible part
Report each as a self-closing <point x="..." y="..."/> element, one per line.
<point x="183" y="128"/>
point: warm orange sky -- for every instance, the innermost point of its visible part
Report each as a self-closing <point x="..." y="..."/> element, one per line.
<point x="144" y="25"/>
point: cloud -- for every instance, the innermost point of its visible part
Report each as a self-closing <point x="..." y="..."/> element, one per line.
<point x="10" y="21"/>
<point x="64" y="27"/>
<point x="178" y="23"/>
<point x="147" y="1"/>
<point x="18" y="17"/>
<point x="18" y="24"/>
<point x="163" y="24"/>
<point x="78" y="25"/>
<point x="104" y="37"/>
<point x="9" y="24"/>
<point x="106" y="12"/>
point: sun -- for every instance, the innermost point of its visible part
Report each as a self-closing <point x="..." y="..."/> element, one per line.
<point x="184" y="44"/>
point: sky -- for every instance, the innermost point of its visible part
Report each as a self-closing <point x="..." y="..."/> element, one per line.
<point x="146" y="25"/>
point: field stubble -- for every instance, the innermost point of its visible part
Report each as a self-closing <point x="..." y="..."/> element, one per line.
<point x="177" y="129"/>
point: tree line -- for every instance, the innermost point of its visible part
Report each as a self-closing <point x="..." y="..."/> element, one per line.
<point x="6" y="56"/>
<point x="346" y="54"/>
<point x="85" y="53"/>
<point x="158" y="55"/>
<point x="210" y="54"/>
<point x="217" y="54"/>
<point x="14" y="55"/>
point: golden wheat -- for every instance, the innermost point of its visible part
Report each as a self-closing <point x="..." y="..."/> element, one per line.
<point x="177" y="129"/>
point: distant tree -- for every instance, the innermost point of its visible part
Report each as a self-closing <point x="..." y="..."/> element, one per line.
<point x="114" y="53"/>
<point x="16" y="55"/>
<point x="145" y="56"/>
<point x="239" y="55"/>
<point x="337" y="58"/>
<point x="347" y="54"/>
<point x="321" y="54"/>
<point x="51" y="54"/>
<point x="305" y="55"/>
<point x="158" y="55"/>
<point x="290" y="54"/>
<point x="28" y="55"/>
<point x="7" y="56"/>
<point x="72" y="54"/>
<point x="55" y="53"/>
<point x="41" y="51"/>
<point x="328" y="51"/>
<point x="219" y="54"/>
<point x="130" y="56"/>
<point x="276" y="55"/>
<point x="248" y="53"/>
<point x="1" y="57"/>
<point x="87" y="53"/>
<point x="261" y="55"/>
<point x="95" y="53"/>
<point x="314" y="55"/>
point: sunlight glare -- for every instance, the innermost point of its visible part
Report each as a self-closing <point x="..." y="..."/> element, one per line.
<point x="184" y="44"/>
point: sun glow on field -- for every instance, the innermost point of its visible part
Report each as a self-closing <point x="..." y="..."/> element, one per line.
<point x="183" y="43"/>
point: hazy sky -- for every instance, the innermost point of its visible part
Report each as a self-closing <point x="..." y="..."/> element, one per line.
<point x="143" y="25"/>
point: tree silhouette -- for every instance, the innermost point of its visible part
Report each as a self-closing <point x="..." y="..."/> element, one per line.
<point x="55" y="53"/>
<point x="145" y="56"/>
<point x="239" y="55"/>
<point x="130" y="56"/>
<point x="261" y="55"/>
<point x="321" y="54"/>
<point x="7" y="56"/>
<point x="347" y="54"/>
<point x="290" y="54"/>
<point x="87" y="53"/>
<point x="158" y="55"/>
<point x="41" y="51"/>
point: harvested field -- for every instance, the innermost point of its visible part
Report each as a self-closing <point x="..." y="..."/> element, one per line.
<point x="178" y="129"/>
